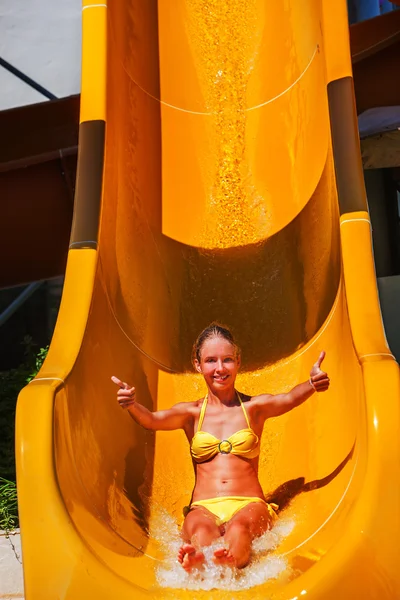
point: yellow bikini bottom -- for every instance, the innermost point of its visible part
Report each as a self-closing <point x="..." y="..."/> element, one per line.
<point x="225" y="507"/>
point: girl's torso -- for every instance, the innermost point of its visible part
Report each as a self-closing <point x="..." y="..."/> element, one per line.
<point x="225" y="473"/>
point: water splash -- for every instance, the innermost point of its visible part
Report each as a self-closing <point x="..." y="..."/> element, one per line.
<point x="225" y="39"/>
<point x="263" y="566"/>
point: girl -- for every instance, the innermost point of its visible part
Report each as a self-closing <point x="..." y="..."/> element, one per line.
<point x="224" y="432"/>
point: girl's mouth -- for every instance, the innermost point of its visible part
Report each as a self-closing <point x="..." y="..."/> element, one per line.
<point x="221" y="378"/>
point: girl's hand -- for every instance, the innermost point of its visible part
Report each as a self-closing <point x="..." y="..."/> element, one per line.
<point x="126" y="393"/>
<point x="319" y="380"/>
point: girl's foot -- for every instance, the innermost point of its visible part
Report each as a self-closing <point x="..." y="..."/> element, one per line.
<point x="222" y="556"/>
<point x="189" y="557"/>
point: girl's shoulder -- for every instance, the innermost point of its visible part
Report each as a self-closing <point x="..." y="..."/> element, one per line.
<point x="253" y="403"/>
<point x="249" y="400"/>
<point x="192" y="406"/>
<point x="196" y="404"/>
<point x="258" y="398"/>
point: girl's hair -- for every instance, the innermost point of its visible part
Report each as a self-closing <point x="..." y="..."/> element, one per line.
<point x="213" y="330"/>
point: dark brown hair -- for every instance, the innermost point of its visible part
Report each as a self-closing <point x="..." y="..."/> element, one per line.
<point x="213" y="330"/>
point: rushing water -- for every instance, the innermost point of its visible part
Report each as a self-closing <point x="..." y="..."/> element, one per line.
<point x="264" y="565"/>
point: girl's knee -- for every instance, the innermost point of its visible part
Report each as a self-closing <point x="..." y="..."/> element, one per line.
<point x="207" y="528"/>
<point x="238" y="528"/>
<point x="204" y="534"/>
<point x="200" y="531"/>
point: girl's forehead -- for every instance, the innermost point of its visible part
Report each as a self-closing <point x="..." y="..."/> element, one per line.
<point x="218" y="344"/>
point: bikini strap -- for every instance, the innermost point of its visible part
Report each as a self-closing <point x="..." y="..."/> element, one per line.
<point x="244" y="410"/>
<point x="202" y="412"/>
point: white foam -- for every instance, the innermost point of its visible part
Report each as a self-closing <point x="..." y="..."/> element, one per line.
<point x="263" y="565"/>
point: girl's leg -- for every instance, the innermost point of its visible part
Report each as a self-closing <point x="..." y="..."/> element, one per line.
<point x="199" y="530"/>
<point x="251" y="521"/>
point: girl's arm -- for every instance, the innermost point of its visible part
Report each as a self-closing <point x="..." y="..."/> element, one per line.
<point x="274" y="406"/>
<point x="161" y="420"/>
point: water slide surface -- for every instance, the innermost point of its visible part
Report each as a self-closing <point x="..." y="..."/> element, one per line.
<point x="219" y="177"/>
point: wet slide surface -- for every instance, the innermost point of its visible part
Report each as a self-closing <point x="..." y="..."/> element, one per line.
<point x="219" y="178"/>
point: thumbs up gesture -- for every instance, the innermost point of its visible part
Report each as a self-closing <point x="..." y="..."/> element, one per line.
<point x="319" y="380"/>
<point x="125" y="394"/>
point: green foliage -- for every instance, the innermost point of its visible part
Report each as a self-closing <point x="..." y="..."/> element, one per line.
<point x="11" y="383"/>
<point x="8" y="505"/>
<point x="39" y="360"/>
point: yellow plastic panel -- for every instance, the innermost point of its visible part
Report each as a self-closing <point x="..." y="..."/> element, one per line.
<point x="336" y="40"/>
<point x="363" y="301"/>
<point x="99" y="496"/>
<point x="248" y="127"/>
<point x="93" y="76"/>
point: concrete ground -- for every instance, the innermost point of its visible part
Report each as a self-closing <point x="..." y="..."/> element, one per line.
<point x="11" y="579"/>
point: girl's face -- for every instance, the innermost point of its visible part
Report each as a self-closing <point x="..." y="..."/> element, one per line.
<point x="219" y="363"/>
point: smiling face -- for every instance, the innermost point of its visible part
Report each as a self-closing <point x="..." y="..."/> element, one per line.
<point x="219" y="363"/>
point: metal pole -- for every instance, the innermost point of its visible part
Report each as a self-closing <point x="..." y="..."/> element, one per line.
<point x="19" y="301"/>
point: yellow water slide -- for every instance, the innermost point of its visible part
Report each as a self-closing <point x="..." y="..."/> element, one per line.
<point x="219" y="177"/>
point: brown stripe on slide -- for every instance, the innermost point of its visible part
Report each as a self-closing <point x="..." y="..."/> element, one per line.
<point x="89" y="179"/>
<point x="346" y="146"/>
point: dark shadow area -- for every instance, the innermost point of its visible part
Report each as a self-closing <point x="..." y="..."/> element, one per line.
<point x="274" y="295"/>
<point x="139" y="466"/>
<point x="102" y="454"/>
<point x="375" y="50"/>
<point x="36" y="202"/>
<point x="285" y="493"/>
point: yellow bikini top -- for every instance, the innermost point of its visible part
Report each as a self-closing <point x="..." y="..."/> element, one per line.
<point x="242" y="443"/>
